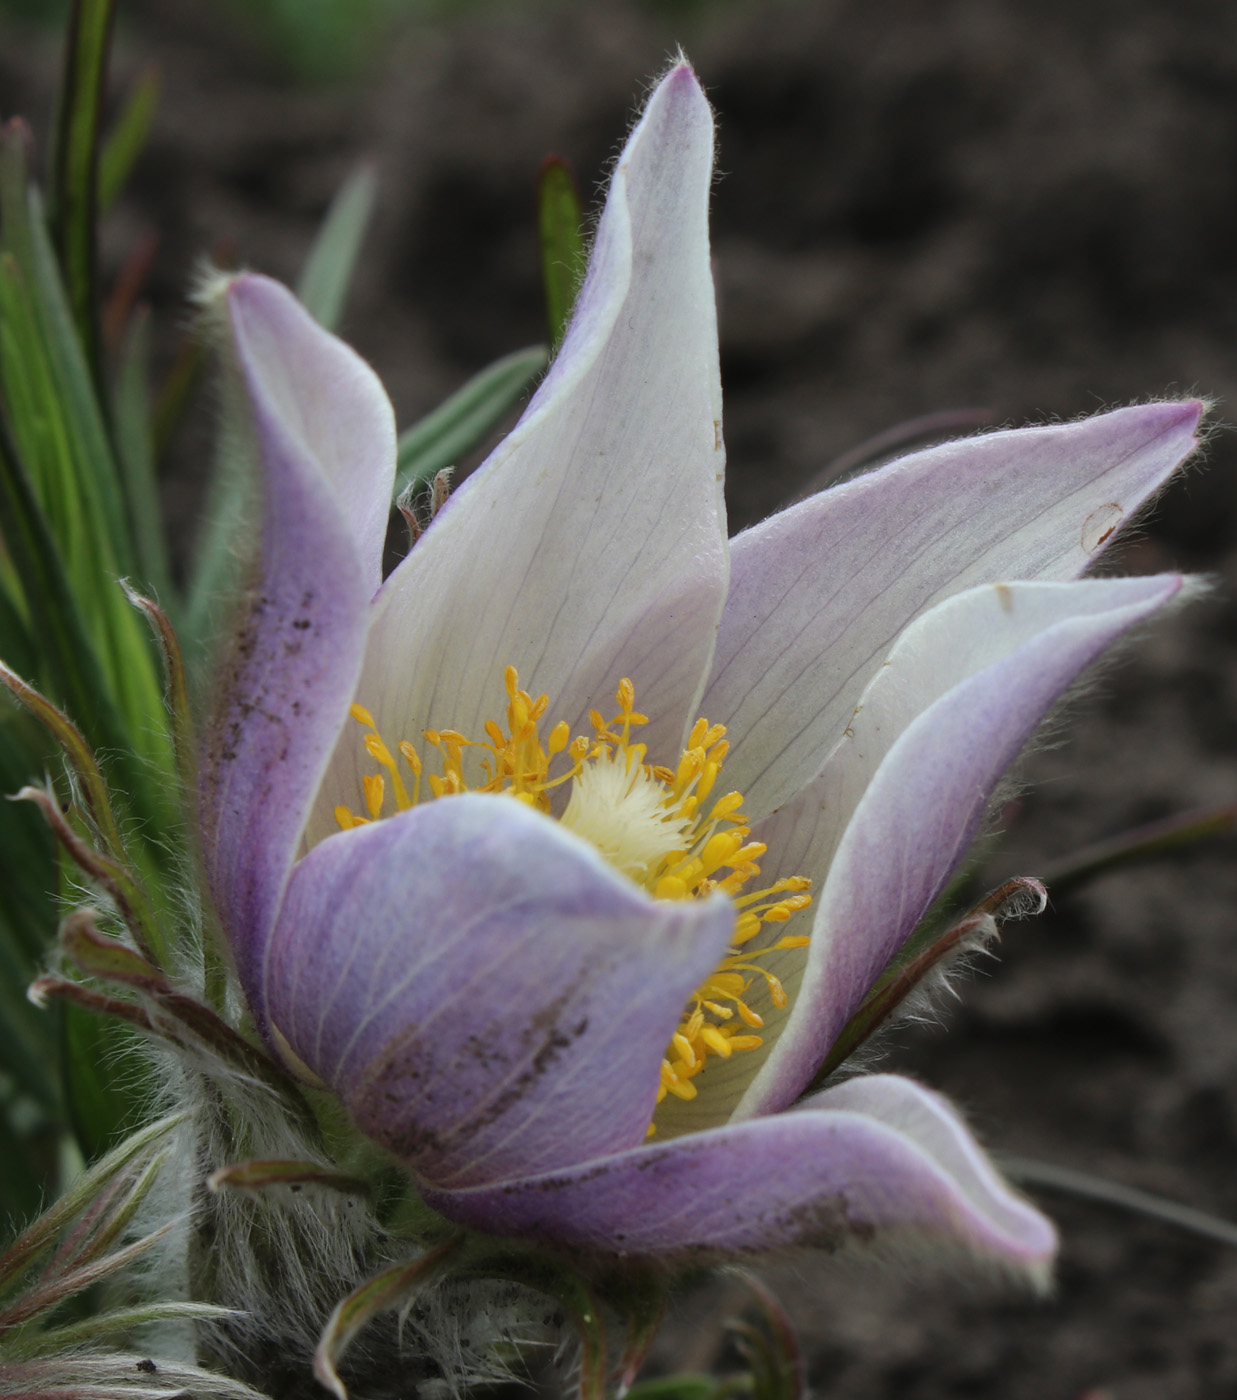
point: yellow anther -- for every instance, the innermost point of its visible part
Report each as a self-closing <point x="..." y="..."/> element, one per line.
<point x="625" y="695"/>
<point x="725" y="807"/>
<point x="411" y="757"/>
<point x="683" y="1045"/>
<point x="746" y="927"/>
<point x="670" y="887"/>
<point x="377" y="749"/>
<point x="716" y="1041"/>
<point x="362" y="716"/>
<point x="708" y="777"/>
<point x="374" y="791"/>
<point x="560" y="736"/>
<point x="689" y="765"/>
<point x="719" y="849"/>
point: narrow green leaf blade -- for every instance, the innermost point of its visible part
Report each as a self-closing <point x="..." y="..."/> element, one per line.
<point x="136" y="449"/>
<point x="385" y="1290"/>
<point x="75" y="163"/>
<point x="462" y="422"/>
<point x="327" y="274"/>
<point x="127" y="138"/>
<point x="561" y="227"/>
<point x="33" y="1241"/>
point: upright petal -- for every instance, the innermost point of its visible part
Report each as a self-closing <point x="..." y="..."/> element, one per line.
<point x="877" y="1164"/>
<point x="900" y="801"/>
<point x="819" y="592"/>
<point x="485" y="994"/>
<point x="324" y="436"/>
<point x="592" y="543"/>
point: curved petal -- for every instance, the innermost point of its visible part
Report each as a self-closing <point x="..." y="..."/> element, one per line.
<point x="819" y="592"/>
<point x="898" y="804"/>
<point x="592" y="544"/>
<point x="902" y="798"/>
<point x="485" y="994"/>
<point x="325" y="440"/>
<point x="877" y="1164"/>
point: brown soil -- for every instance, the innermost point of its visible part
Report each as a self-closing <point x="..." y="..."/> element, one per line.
<point x="975" y="202"/>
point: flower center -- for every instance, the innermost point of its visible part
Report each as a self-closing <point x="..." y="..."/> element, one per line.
<point x="657" y="825"/>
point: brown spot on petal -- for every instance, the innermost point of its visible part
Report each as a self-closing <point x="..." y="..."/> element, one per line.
<point x="1005" y="596"/>
<point x="1099" y="526"/>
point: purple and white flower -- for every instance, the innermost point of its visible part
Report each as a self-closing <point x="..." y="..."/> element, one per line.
<point x="490" y="979"/>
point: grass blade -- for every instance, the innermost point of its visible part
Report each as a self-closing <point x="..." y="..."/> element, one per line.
<point x="75" y="163"/>
<point x="1050" y="1177"/>
<point x="561" y="227"/>
<point x="327" y="274"/>
<point x="127" y="138"/>
<point x="463" y="421"/>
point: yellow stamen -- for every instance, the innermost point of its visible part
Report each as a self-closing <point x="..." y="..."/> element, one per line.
<point x="655" y="823"/>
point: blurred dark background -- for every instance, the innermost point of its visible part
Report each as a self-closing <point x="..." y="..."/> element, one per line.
<point x="1030" y="209"/>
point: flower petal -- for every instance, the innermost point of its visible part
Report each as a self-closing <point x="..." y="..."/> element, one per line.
<point x="485" y="994"/>
<point x="591" y="545"/>
<point x="901" y="799"/>
<point x="878" y="1163"/>
<point x="819" y="592"/>
<point x="324" y="436"/>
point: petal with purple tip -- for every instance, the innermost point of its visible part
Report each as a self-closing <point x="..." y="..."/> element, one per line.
<point x="324" y="438"/>
<point x="592" y="544"/>
<point x="877" y="1163"/>
<point x="486" y="995"/>
<point x="902" y="797"/>
<point x="819" y="593"/>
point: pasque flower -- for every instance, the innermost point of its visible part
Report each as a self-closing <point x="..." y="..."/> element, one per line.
<point x="475" y="833"/>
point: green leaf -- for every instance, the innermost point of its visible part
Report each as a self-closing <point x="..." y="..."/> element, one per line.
<point x="260" y="1175"/>
<point x="125" y="141"/>
<point x="136" y="450"/>
<point x="324" y="280"/>
<point x="39" y="1236"/>
<point x="1141" y="843"/>
<point x="561" y="227"/>
<point x="106" y="1078"/>
<point x="75" y="162"/>
<point x="67" y="463"/>
<point x="113" y="1324"/>
<point x="67" y="653"/>
<point x="1048" y="1176"/>
<point x="464" y="420"/>
<point x="389" y="1289"/>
